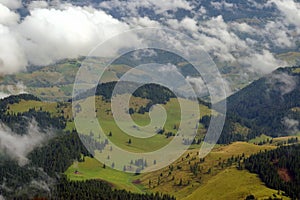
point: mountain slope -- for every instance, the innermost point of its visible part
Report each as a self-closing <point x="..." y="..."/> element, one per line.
<point x="268" y="106"/>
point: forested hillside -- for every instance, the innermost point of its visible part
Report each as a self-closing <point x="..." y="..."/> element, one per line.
<point x="264" y="107"/>
<point x="278" y="168"/>
<point x="267" y="106"/>
<point x="95" y="189"/>
<point x="40" y="177"/>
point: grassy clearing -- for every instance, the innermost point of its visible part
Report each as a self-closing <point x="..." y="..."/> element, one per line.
<point x="109" y="76"/>
<point x="120" y="138"/>
<point x="296" y="109"/>
<point x="237" y="148"/>
<point x="290" y="57"/>
<point x="51" y="93"/>
<point x="233" y="184"/>
<point x="227" y="183"/>
<point x="274" y="141"/>
<point x="239" y="129"/>
<point x="55" y="109"/>
<point x="260" y="138"/>
<point x="297" y="70"/>
<point x="191" y="182"/>
<point x="93" y="169"/>
<point x="24" y="106"/>
<point x="285" y="138"/>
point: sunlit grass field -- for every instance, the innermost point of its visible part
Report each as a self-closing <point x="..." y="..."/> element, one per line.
<point x="222" y="179"/>
<point x="106" y="120"/>
<point x="233" y="184"/>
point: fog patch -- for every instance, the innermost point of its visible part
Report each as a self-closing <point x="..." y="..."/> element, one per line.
<point x="19" y="146"/>
<point x="291" y="124"/>
<point x="283" y="82"/>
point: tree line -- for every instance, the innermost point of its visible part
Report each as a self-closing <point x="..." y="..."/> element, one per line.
<point x="278" y="168"/>
<point x="96" y="189"/>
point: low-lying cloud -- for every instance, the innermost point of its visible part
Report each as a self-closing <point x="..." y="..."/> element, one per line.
<point x="132" y="7"/>
<point x="66" y="33"/>
<point x="7" y="90"/>
<point x="19" y="146"/>
<point x="283" y="82"/>
<point x="263" y="62"/>
<point x="12" y="4"/>
<point x="290" y="10"/>
<point x="8" y="17"/>
<point x="291" y="125"/>
<point x="50" y="33"/>
<point x="12" y="55"/>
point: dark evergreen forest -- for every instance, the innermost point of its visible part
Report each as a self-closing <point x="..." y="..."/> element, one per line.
<point x="279" y="168"/>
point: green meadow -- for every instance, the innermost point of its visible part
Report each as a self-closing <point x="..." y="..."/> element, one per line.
<point x="93" y="169"/>
<point x="227" y="183"/>
<point x="233" y="184"/>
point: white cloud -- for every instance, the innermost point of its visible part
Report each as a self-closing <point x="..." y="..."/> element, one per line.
<point x="12" y="57"/>
<point x="18" y="146"/>
<point x="7" y="17"/>
<point x="37" y="4"/>
<point x="19" y="88"/>
<point x="3" y="95"/>
<point x="257" y="4"/>
<point x="143" y="22"/>
<point x="219" y="29"/>
<point x="243" y="27"/>
<point x="163" y="6"/>
<point x="291" y="11"/>
<point x="52" y="34"/>
<point x="263" y="62"/>
<point x="222" y="4"/>
<point x="186" y="24"/>
<point x="132" y="6"/>
<point x="226" y="41"/>
<point x="167" y="68"/>
<point x="7" y="90"/>
<point x="198" y="85"/>
<point x="203" y="89"/>
<point x="283" y="82"/>
<point x="202" y="10"/>
<point x="279" y="34"/>
<point x="221" y="39"/>
<point x="291" y="124"/>
<point x="143" y="53"/>
<point x="12" y="4"/>
<point x="217" y="38"/>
